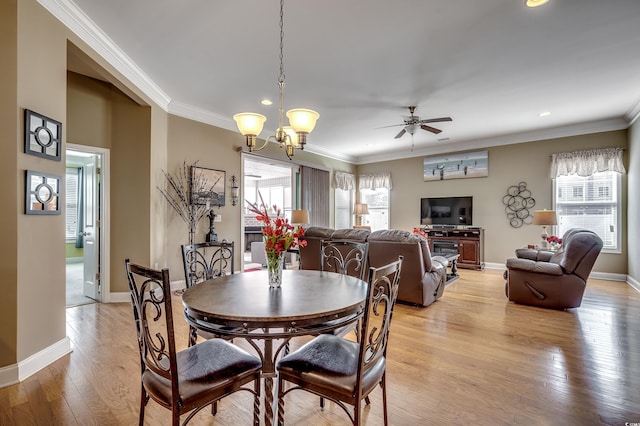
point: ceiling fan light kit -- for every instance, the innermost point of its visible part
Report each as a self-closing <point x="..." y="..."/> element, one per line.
<point x="535" y="3"/>
<point x="301" y="120"/>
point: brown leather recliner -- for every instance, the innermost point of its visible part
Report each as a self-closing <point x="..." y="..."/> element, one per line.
<point x="558" y="282"/>
<point x="423" y="277"/>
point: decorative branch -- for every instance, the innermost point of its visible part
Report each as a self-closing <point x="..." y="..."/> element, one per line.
<point x="178" y="195"/>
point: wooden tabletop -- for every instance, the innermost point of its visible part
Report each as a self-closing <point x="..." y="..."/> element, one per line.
<point x="245" y="299"/>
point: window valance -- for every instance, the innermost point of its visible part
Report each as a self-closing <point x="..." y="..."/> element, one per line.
<point x="586" y="163"/>
<point x="375" y="181"/>
<point x="344" y="181"/>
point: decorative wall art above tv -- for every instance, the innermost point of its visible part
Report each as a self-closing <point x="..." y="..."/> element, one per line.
<point x="457" y="166"/>
<point x="42" y="136"/>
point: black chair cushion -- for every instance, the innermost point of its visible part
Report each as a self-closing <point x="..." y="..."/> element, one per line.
<point x="212" y="363"/>
<point x="331" y="362"/>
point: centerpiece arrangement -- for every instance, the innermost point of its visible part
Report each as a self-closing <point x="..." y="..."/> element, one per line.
<point x="279" y="236"/>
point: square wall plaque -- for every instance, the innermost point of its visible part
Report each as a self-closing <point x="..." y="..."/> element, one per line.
<point x="42" y="193"/>
<point x="42" y="136"/>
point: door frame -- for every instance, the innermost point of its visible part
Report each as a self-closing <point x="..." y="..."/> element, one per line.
<point x="104" y="259"/>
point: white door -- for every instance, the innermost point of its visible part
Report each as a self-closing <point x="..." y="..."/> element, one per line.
<point x="91" y="232"/>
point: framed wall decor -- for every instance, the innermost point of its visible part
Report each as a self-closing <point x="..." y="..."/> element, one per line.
<point x="42" y="193"/>
<point x="207" y="186"/>
<point x="42" y="136"/>
<point x="457" y="166"/>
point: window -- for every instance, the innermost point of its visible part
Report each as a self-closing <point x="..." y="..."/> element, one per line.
<point x="378" y="202"/>
<point x="343" y="206"/>
<point x="591" y="202"/>
<point x="71" y="220"/>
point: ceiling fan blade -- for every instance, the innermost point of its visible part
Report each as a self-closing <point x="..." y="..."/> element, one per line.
<point x="436" y="120"/>
<point x="430" y="129"/>
<point x="399" y="135"/>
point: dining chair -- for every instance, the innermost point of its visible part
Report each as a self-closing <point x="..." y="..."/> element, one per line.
<point x="183" y="381"/>
<point x="339" y="369"/>
<point x="205" y="261"/>
<point x="344" y="257"/>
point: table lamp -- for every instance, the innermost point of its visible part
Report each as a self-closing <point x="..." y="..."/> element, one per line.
<point x="360" y="209"/>
<point x="300" y="217"/>
<point x="544" y="218"/>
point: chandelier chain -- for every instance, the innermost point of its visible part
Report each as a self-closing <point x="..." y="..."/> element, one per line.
<point x="281" y="79"/>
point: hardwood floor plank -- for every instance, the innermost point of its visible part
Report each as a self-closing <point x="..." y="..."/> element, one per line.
<point x="470" y="358"/>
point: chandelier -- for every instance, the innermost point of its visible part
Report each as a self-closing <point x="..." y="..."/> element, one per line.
<point x="301" y="121"/>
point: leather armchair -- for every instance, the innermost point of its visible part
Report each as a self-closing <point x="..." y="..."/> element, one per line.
<point x="423" y="277"/>
<point x="558" y="282"/>
<point x="544" y="255"/>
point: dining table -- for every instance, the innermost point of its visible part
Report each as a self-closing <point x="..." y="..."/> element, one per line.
<point x="243" y="305"/>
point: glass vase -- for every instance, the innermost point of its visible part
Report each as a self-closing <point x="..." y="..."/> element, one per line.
<point x="275" y="263"/>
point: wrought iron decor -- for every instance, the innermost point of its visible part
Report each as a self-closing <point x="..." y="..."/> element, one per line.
<point x="42" y="193"/>
<point x="518" y="203"/>
<point x="207" y="186"/>
<point x="42" y="136"/>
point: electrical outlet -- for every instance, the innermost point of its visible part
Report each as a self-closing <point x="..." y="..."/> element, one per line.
<point x="218" y="218"/>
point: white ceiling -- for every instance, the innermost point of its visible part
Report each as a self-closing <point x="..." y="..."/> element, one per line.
<point x="492" y="65"/>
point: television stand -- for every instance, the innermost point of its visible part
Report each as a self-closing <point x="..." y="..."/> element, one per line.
<point x="467" y="243"/>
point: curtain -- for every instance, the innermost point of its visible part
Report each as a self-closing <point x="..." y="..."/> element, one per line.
<point x="80" y="209"/>
<point x="344" y="181"/>
<point x="314" y="194"/>
<point x="375" y="181"/>
<point x="586" y="163"/>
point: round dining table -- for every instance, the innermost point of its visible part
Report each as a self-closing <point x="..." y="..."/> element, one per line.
<point x="243" y="305"/>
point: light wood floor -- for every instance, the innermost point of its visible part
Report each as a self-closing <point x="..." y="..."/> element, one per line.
<point x="472" y="358"/>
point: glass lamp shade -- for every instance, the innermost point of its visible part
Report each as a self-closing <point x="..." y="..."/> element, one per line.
<point x="302" y="120"/>
<point x="293" y="136"/>
<point x="250" y="124"/>
<point x="300" y="217"/>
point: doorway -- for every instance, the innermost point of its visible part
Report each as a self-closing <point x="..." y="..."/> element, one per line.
<point x="85" y="225"/>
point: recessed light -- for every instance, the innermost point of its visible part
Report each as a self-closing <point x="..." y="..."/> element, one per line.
<point x="266" y="102"/>
<point x="535" y="3"/>
<point x="544" y="114"/>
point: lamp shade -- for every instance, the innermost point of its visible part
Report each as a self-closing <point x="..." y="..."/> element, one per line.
<point x="360" y="209"/>
<point x="544" y="217"/>
<point x="300" y="217"/>
<point x="249" y="124"/>
<point x="302" y="120"/>
<point x="292" y="135"/>
<point x="535" y="3"/>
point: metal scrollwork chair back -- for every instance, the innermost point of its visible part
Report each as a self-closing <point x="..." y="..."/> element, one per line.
<point x="344" y="257"/>
<point x="339" y="369"/>
<point x="204" y="261"/>
<point x="189" y="380"/>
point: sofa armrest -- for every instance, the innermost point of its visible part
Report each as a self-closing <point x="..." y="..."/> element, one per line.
<point x="438" y="262"/>
<point x="532" y="266"/>
<point x="534" y="254"/>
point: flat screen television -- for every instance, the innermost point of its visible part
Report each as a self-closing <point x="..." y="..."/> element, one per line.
<point x="446" y="211"/>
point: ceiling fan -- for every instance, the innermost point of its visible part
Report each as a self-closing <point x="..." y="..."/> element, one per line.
<point x="412" y="123"/>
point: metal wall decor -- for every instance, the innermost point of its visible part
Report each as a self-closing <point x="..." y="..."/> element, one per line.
<point x="42" y="193"/>
<point x="42" y="136"/>
<point x="518" y="203"/>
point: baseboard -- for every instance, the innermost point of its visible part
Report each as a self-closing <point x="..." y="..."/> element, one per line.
<point x="40" y="360"/>
<point x="178" y="285"/>
<point x="496" y="266"/>
<point x="633" y="283"/>
<point x="8" y="375"/>
<point x="120" y="297"/>
<point x="608" y="276"/>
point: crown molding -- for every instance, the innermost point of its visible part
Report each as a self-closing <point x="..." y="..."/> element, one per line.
<point x="77" y="21"/>
<point x="201" y="115"/>
<point x="510" y="139"/>
<point x="632" y="115"/>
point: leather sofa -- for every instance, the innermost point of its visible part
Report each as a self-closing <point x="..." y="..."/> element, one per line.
<point x="423" y="277"/>
<point x="553" y="280"/>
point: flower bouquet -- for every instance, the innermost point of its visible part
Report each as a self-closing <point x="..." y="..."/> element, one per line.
<point x="279" y="236"/>
<point x="554" y="242"/>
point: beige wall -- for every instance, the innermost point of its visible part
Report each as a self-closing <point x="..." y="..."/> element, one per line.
<point x="9" y="176"/>
<point x="633" y="224"/>
<point x="508" y="165"/>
